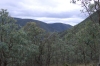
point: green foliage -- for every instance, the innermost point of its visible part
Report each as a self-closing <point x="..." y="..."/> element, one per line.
<point x="32" y="46"/>
<point x="12" y="40"/>
<point x="83" y="40"/>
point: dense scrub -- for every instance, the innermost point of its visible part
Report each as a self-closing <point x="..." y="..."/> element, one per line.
<point x="32" y="46"/>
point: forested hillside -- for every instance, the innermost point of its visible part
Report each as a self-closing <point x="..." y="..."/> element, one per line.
<point x="83" y="40"/>
<point x="31" y="45"/>
<point x="54" y="27"/>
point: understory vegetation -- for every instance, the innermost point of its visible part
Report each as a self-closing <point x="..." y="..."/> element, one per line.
<point x="32" y="46"/>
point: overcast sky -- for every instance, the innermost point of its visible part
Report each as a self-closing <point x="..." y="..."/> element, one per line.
<point x="49" y="11"/>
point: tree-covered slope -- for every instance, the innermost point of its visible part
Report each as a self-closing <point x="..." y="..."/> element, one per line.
<point x="83" y="40"/>
<point x="32" y="46"/>
<point x="48" y="27"/>
<point x="60" y="26"/>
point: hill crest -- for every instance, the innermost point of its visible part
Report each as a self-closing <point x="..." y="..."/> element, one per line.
<point x="57" y="27"/>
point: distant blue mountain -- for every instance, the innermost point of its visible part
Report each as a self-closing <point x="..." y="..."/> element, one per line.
<point x="57" y="27"/>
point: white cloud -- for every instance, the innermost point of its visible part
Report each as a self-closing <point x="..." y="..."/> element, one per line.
<point x="72" y="21"/>
<point x="46" y="10"/>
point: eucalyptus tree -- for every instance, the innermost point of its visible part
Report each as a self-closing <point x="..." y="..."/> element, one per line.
<point x="7" y="27"/>
<point x="12" y="41"/>
<point x="88" y="42"/>
<point x="91" y="6"/>
<point x="34" y="36"/>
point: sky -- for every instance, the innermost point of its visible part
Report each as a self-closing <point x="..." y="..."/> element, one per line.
<point x="48" y="11"/>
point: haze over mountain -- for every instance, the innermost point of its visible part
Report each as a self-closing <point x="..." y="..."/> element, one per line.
<point x="57" y="27"/>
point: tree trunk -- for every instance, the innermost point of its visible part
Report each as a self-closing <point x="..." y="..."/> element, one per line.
<point x="84" y="58"/>
<point x="0" y="62"/>
<point x="48" y="61"/>
<point x="99" y="59"/>
<point x="5" y="63"/>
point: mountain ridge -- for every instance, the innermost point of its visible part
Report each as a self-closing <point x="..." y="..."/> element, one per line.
<point x="57" y="27"/>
